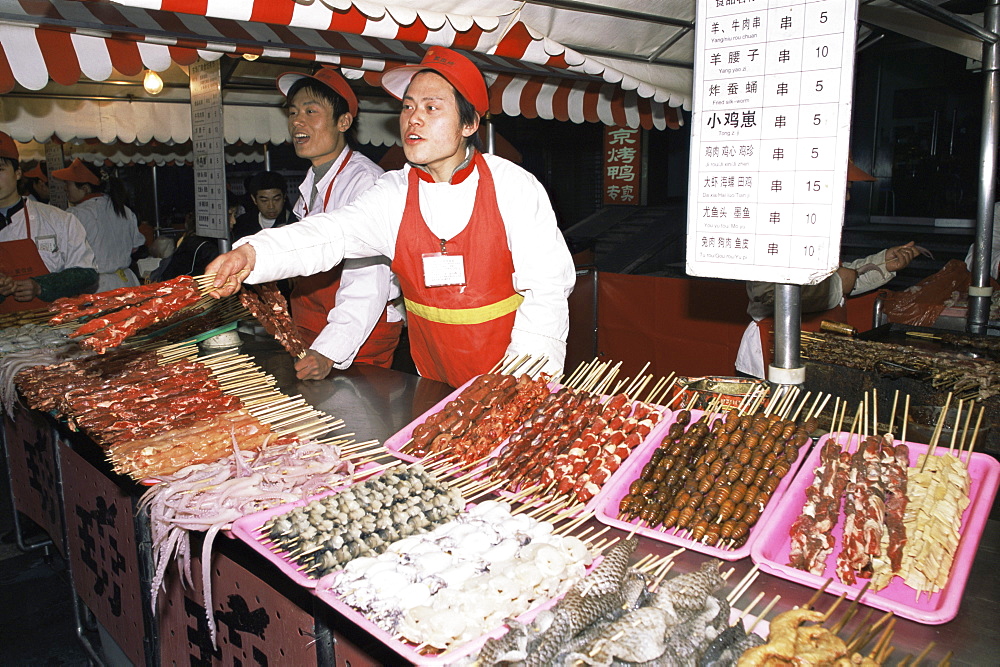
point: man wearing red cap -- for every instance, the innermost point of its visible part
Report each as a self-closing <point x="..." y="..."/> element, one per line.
<point x="483" y="267"/>
<point x="37" y="183"/>
<point x="44" y="253"/>
<point x="345" y="314"/>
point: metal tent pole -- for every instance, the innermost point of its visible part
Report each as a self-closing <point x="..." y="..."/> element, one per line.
<point x="491" y="137"/>
<point x="980" y="292"/>
<point x="156" y="201"/>
<point x="267" y="158"/>
<point x="787" y="367"/>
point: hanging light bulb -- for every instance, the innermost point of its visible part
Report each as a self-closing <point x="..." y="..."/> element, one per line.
<point x="250" y="56"/>
<point x="152" y="83"/>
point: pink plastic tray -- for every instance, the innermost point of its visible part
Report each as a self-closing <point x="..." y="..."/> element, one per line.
<point x="605" y="504"/>
<point x="770" y="551"/>
<point x="246" y="529"/>
<point x="406" y="650"/>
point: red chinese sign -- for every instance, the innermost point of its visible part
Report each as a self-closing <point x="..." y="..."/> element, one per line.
<point x="622" y="166"/>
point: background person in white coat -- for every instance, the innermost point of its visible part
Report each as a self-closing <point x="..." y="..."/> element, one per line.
<point x="112" y="228"/>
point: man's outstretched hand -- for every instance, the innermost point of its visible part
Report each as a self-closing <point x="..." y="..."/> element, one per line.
<point x="230" y="270"/>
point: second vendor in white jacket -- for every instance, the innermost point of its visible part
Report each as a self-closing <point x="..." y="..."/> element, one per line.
<point x="474" y="236"/>
<point x="112" y="228"/>
<point x="851" y="279"/>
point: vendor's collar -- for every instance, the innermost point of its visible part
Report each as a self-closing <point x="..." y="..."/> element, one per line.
<point x="7" y="213"/>
<point x="461" y="172"/>
<point x="322" y="170"/>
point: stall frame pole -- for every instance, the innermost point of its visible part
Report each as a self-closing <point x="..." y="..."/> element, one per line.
<point x="980" y="291"/>
<point x="156" y="201"/>
<point x="787" y="367"/>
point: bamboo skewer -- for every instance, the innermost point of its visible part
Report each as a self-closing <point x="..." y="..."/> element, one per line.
<point x="937" y="432"/>
<point x="764" y="612"/>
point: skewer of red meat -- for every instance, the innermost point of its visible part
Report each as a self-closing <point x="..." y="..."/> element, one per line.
<point x="810" y="533"/>
<point x="117" y="325"/>
<point x="68" y="309"/>
<point x="266" y="303"/>
<point x="895" y="461"/>
<point x="494" y="426"/>
<point x="853" y="558"/>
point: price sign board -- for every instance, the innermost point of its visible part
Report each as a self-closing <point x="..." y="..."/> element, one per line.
<point x="207" y="143"/>
<point x="770" y="135"/>
<point x="57" y="187"/>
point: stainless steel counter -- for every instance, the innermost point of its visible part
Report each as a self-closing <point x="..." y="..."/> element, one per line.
<point x="375" y="403"/>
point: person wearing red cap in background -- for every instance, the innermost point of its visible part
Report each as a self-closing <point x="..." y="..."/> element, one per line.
<point x="37" y="183"/>
<point x="44" y="253"/>
<point x="473" y="238"/>
<point x="847" y="280"/>
<point x="112" y="229"/>
<point x="344" y="314"/>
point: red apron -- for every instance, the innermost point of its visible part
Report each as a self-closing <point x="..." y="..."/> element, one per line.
<point x="313" y="297"/>
<point x="458" y="332"/>
<point x="19" y="259"/>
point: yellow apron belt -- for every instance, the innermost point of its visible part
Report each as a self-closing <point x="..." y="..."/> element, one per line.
<point x="465" y="315"/>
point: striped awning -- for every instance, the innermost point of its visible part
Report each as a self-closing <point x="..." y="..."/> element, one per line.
<point x="531" y="75"/>
<point x="124" y="154"/>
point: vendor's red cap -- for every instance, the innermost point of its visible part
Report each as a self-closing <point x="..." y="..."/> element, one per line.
<point x="8" y="148"/>
<point x="856" y="173"/>
<point x="76" y="172"/>
<point x="36" y="172"/>
<point x="326" y="76"/>
<point x="453" y="66"/>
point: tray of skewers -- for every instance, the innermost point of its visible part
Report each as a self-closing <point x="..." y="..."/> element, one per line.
<point x="884" y="521"/>
<point x="440" y="595"/>
<point x="310" y="538"/>
<point x="535" y="433"/>
<point x="710" y="483"/>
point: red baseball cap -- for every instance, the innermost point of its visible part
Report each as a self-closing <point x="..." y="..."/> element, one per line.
<point x="76" y="172"/>
<point x="856" y="173"/>
<point x="36" y="172"/>
<point x="327" y="76"/>
<point x="453" y="66"/>
<point x="7" y="147"/>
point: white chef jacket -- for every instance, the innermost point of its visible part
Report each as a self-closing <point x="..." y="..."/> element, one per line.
<point x="815" y="298"/>
<point x="113" y="237"/>
<point x="60" y="238"/>
<point x="543" y="268"/>
<point x="366" y="285"/>
<point x="995" y="252"/>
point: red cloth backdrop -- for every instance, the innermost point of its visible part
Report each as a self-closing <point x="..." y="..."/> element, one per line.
<point x="692" y="327"/>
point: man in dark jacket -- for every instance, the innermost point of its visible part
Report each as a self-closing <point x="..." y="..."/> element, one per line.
<point x="267" y="191"/>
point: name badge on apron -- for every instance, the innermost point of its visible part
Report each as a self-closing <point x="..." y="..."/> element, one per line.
<point x="441" y="269"/>
<point x="46" y="243"/>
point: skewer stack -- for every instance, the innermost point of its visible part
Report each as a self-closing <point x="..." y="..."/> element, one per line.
<point x="711" y="480"/>
<point x="115" y="315"/>
<point x="898" y="520"/>
<point x="938" y="489"/>
<point x="576" y="439"/>
<point x="946" y="370"/>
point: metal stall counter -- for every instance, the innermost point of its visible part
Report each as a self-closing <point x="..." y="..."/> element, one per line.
<point x="262" y="616"/>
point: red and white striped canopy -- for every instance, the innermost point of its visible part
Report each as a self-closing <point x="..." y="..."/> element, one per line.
<point x="531" y="74"/>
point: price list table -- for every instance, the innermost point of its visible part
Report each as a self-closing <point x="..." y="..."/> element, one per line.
<point x="770" y="136"/>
